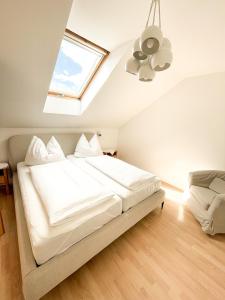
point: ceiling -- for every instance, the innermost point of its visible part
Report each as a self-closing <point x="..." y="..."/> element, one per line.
<point x="196" y="30"/>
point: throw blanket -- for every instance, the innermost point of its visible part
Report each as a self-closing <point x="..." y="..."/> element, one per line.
<point x="127" y="175"/>
<point x="66" y="191"/>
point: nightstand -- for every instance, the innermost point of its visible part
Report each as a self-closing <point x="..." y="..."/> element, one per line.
<point x="4" y="176"/>
<point x="110" y="152"/>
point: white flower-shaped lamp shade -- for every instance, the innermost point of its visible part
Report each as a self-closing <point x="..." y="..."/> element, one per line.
<point x="162" y="60"/>
<point x="137" y="53"/>
<point x="165" y="44"/>
<point x="132" y="66"/>
<point x="151" y="40"/>
<point x="145" y="72"/>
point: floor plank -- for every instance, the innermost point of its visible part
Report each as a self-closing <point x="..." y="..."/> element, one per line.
<point x="165" y="256"/>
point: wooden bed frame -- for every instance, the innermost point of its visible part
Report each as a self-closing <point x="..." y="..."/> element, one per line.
<point x="38" y="280"/>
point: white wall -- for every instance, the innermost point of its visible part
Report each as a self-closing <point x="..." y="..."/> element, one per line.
<point x="182" y="131"/>
<point x="107" y="140"/>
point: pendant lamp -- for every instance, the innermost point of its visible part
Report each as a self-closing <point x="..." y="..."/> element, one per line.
<point x="133" y="65"/>
<point x="151" y="40"/>
<point x="137" y="52"/>
<point x="162" y="60"/>
<point x="151" y="52"/>
<point x="146" y="73"/>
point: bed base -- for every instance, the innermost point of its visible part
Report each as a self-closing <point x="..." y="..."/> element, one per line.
<point x="39" y="280"/>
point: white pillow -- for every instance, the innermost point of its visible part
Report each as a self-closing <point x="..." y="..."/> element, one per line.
<point x="53" y="147"/>
<point x="83" y="148"/>
<point x="218" y="185"/>
<point x="95" y="145"/>
<point x="86" y="149"/>
<point x="38" y="153"/>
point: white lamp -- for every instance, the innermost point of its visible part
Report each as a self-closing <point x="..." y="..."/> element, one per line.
<point x="137" y="53"/>
<point x="132" y="65"/>
<point x="162" y="60"/>
<point x="165" y="44"/>
<point x="145" y="72"/>
<point x="151" y="40"/>
<point x="151" y="52"/>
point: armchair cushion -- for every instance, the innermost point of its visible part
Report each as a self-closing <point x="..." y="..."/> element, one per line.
<point x="217" y="185"/>
<point x="203" y="196"/>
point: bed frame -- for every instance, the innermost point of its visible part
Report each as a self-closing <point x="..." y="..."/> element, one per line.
<point x="38" y="280"/>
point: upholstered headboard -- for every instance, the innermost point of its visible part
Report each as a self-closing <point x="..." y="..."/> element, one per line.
<point x="18" y="144"/>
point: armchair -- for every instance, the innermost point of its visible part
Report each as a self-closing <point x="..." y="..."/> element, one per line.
<point x="207" y="206"/>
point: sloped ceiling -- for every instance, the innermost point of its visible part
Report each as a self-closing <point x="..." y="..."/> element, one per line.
<point x="195" y="28"/>
<point x="31" y="33"/>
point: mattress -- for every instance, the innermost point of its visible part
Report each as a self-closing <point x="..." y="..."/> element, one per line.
<point x="48" y="241"/>
<point x="129" y="198"/>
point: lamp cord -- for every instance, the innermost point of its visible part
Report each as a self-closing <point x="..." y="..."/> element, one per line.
<point x="154" y="13"/>
<point x="159" y="14"/>
<point x="149" y="14"/>
<point x="154" y="3"/>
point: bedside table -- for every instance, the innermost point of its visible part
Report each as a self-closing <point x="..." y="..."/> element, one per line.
<point x="110" y="152"/>
<point x="4" y="177"/>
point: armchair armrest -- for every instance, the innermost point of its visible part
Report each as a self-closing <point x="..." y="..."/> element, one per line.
<point x="204" y="178"/>
<point x="217" y="203"/>
<point x="217" y="214"/>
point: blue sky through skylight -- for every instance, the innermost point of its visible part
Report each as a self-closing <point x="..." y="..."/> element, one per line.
<point x="74" y="66"/>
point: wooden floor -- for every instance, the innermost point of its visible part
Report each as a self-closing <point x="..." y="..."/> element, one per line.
<point x="165" y="256"/>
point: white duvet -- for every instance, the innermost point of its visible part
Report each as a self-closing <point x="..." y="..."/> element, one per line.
<point x="127" y="175"/>
<point x="65" y="190"/>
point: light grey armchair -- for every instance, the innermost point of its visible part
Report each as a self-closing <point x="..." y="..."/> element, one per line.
<point x="207" y="206"/>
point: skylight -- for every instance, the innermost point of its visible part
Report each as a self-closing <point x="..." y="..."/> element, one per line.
<point x="78" y="61"/>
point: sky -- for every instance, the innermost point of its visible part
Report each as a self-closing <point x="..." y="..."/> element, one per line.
<point x="73" y="68"/>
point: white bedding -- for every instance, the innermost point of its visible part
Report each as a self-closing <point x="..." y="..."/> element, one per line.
<point x="66" y="191"/>
<point x="48" y="241"/>
<point x="129" y="197"/>
<point x="125" y="174"/>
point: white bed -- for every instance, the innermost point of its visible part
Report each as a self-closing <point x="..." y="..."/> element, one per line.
<point x="129" y="197"/>
<point x="48" y="241"/>
<point x="74" y="250"/>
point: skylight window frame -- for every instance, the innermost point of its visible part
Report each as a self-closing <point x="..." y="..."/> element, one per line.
<point x="77" y="39"/>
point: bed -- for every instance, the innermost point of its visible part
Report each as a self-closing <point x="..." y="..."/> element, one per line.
<point x="37" y="279"/>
